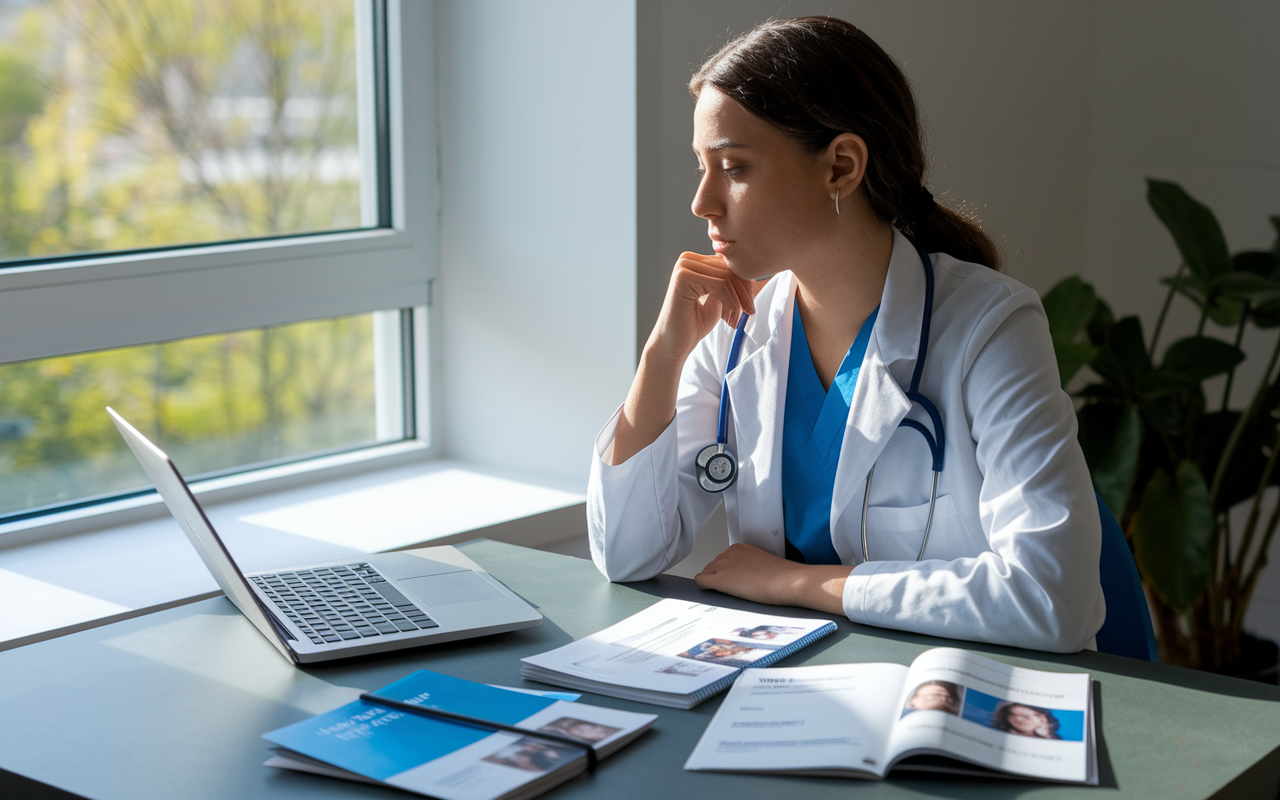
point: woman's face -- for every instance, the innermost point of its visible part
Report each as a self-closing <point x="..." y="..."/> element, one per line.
<point x="764" y="198"/>
<point x="1026" y="721"/>
<point x="930" y="697"/>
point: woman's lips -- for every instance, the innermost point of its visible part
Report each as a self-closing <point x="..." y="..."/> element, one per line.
<point x="720" y="245"/>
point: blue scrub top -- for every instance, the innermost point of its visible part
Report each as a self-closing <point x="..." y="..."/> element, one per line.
<point x="813" y="426"/>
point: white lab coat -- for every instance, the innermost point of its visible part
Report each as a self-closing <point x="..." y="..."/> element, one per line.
<point x="1013" y="555"/>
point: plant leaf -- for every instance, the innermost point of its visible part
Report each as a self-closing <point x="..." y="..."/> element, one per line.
<point x="1195" y="229"/>
<point x="1198" y="357"/>
<point x="1266" y="315"/>
<point x="1071" y="357"/>
<point x="1100" y="323"/>
<point x="1258" y="262"/>
<point x="1161" y="382"/>
<point x="1069" y="306"/>
<point x="1173" y="535"/>
<point x="1241" y="285"/>
<point x="1111" y="436"/>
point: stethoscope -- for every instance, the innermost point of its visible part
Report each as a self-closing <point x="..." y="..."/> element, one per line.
<point x="717" y="468"/>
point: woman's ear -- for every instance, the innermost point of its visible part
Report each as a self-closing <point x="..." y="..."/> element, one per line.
<point x="846" y="159"/>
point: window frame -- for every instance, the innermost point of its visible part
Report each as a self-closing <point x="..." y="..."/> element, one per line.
<point x="68" y="305"/>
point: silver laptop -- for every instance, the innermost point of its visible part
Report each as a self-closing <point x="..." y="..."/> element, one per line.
<point x="343" y="608"/>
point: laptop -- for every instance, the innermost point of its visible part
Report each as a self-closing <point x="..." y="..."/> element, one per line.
<point x="337" y="609"/>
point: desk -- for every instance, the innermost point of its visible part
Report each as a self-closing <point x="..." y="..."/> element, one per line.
<point x="171" y="705"/>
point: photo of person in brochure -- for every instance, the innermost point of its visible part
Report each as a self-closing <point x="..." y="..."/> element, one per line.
<point x="1023" y="719"/>
<point x="580" y="729"/>
<point x="766" y="632"/>
<point x="533" y="755"/>
<point x="935" y="696"/>
<point x="727" y="652"/>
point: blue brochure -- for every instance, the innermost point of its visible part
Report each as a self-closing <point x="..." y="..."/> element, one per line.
<point x="451" y="760"/>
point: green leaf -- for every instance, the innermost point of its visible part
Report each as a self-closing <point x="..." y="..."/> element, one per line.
<point x="1161" y="382"/>
<point x="1240" y="285"/>
<point x="1071" y="357"/>
<point x="1069" y="305"/>
<point x="1111" y="436"/>
<point x="1127" y="344"/>
<point x="1199" y="357"/>
<point x="1100" y="323"/>
<point x="1258" y="262"/>
<point x="1266" y="315"/>
<point x="1195" y="229"/>
<point x="1173" y="535"/>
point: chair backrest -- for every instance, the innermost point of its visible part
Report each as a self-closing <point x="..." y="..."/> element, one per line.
<point x="1127" y="630"/>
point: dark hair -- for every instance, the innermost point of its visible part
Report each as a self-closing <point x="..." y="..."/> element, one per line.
<point x="815" y="78"/>
<point x="1000" y="719"/>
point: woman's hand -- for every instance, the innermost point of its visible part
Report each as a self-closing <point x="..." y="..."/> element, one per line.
<point x="702" y="292"/>
<point x="752" y="574"/>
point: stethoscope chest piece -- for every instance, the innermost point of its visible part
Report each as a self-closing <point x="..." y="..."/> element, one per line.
<point x="716" y="468"/>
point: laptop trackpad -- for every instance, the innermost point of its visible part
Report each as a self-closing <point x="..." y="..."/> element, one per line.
<point x="451" y="588"/>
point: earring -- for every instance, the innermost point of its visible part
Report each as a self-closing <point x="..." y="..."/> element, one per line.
<point x="837" y="202"/>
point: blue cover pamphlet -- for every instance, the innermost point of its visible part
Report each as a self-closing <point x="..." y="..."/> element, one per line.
<point x="453" y="761"/>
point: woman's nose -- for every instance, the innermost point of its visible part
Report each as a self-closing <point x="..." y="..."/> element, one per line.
<point x="705" y="203"/>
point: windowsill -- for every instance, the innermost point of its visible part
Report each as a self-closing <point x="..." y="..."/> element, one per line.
<point x="55" y="586"/>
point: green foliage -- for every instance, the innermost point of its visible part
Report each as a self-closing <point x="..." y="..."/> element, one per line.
<point x="1173" y="535"/>
<point x="1167" y="464"/>
<point x="132" y="124"/>
<point x="1070" y="305"/>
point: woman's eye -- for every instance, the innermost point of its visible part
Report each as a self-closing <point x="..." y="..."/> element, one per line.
<point x="732" y="171"/>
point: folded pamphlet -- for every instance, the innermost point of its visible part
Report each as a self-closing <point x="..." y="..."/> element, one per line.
<point x="450" y="760"/>
<point x="950" y="711"/>
<point x="674" y="653"/>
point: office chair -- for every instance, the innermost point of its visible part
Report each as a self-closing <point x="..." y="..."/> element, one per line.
<point x="1127" y="630"/>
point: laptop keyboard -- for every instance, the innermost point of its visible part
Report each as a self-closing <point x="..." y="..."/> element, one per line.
<point x="332" y="604"/>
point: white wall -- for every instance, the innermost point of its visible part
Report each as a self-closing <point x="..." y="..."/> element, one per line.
<point x="1044" y="118"/>
<point x="538" y="240"/>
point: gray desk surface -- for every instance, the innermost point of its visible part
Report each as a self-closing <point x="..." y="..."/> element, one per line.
<point x="171" y="706"/>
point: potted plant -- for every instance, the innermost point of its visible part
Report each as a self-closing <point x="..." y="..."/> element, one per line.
<point x="1169" y="461"/>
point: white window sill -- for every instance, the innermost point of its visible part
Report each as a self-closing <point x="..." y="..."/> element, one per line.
<point x="54" y="586"/>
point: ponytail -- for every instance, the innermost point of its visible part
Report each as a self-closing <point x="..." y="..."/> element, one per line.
<point x="814" y="78"/>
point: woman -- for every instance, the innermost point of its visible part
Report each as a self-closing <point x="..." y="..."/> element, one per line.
<point x="807" y="137"/>
<point x="1024" y="720"/>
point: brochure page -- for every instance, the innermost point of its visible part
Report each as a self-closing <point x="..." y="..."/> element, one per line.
<point x="1016" y="720"/>
<point x="678" y="647"/>
<point x="452" y="761"/>
<point x="829" y="719"/>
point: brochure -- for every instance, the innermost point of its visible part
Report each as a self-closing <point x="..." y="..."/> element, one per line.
<point x="451" y="760"/>
<point x="950" y="711"/>
<point x="674" y="653"/>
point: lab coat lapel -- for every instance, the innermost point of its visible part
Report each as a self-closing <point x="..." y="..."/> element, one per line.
<point x="757" y="393"/>
<point x="879" y="401"/>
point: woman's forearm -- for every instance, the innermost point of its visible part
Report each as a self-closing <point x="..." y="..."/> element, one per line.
<point x="650" y="406"/>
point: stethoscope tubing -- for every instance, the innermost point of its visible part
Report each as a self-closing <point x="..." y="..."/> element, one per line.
<point x="936" y="439"/>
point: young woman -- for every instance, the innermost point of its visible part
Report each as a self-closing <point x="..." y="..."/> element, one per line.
<point x="869" y="305"/>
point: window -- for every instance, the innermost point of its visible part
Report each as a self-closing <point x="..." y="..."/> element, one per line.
<point x="192" y="187"/>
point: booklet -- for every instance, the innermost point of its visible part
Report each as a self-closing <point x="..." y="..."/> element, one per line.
<point x="452" y="760"/>
<point x="950" y="711"/>
<point x="674" y="653"/>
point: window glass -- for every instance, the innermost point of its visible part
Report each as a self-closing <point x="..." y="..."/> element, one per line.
<point x="130" y="124"/>
<point x="212" y="403"/>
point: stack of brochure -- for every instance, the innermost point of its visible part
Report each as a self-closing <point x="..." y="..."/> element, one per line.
<point x="394" y="740"/>
<point x="950" y="711"/>
<point x="674" y="653"/>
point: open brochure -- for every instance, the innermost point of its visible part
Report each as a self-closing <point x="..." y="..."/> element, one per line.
<point x="449" y="760"/>
<point x="950" y="711"/>
<point x="674" y="653"/>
